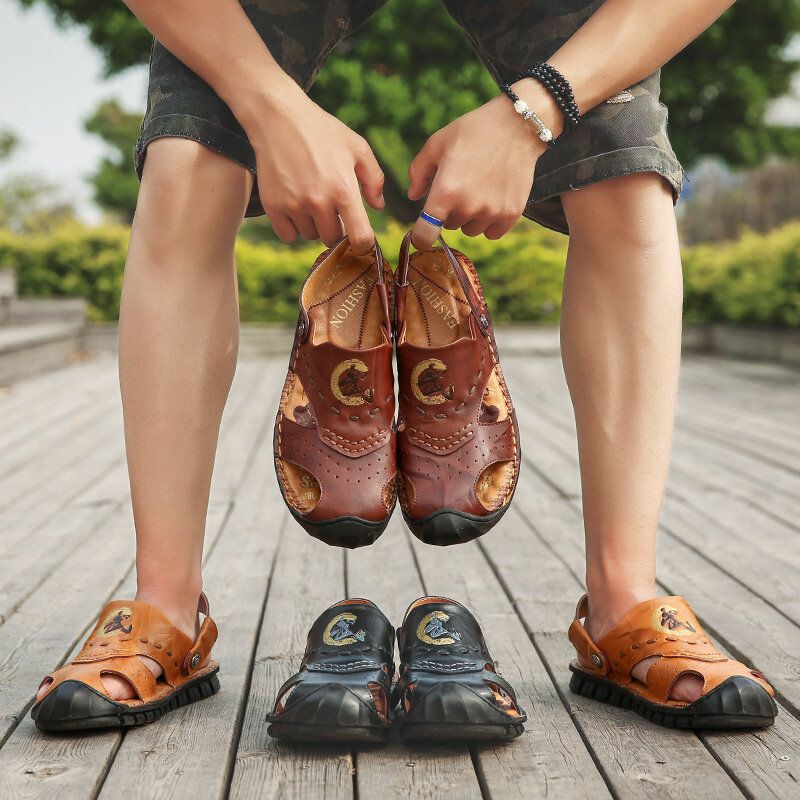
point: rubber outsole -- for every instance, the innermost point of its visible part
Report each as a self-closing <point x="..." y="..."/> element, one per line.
<point x="74" y="706"/>
<point x="349" y="532"/>
<point x="449" y="526"/>
<point x="736" y="704"/>
<point x="454" y="712"/>
<point x="442" y="732"/>
<point x="331" y="713"/>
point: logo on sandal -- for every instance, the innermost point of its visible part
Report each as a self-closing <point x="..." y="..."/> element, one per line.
<point x="339" y="631"/>
<point x="431" y="629"/>
<point x="346" y="383"/>
<point x="668" y="618"/>
<point x="119" y="621"/>
<point x="427" y="382"/>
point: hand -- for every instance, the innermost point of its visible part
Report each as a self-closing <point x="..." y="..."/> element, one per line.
<point x="312" y="170"/>
<point x="477" y="171"/>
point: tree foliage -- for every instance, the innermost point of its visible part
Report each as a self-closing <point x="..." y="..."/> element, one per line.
<point x="115" y="183"/>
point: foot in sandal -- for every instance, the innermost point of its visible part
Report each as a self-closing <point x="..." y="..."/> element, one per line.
<point x="334" y="435"/>
<point x="658" y="661"/>
<point x="458" y="440"/>
<point x="134" y="667"/>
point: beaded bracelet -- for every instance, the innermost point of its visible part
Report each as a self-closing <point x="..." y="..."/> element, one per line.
<point x="528" y="114"/>
<point x="558" y="86"/>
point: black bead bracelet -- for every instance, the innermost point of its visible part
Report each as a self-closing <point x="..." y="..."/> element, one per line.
<point x="558" y="87"/>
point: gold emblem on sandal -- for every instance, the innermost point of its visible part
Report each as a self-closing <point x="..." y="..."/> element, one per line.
<point x="346" y="383"/>
<point x="427" y="382"/>
<point x="118" y="622"/>
<point x="667" y="618"/>
<point x="339" y="631"/>
<point x="431" y="629"/>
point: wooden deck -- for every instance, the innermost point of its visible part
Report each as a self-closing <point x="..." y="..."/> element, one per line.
<point x="730" y="542"/>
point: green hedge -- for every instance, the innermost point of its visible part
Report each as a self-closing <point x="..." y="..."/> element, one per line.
<point x="755" y="280"/>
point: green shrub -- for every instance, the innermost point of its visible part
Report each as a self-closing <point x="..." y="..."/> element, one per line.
<point x="754" y="280"/>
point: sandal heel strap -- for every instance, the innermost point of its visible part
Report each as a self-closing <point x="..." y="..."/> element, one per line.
<point x="201" y="649"/>
<point x="590" y="655"/>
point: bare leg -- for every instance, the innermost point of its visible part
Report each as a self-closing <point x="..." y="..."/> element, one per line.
<point x="179" y="330"/>
<point x="620" y="338"/>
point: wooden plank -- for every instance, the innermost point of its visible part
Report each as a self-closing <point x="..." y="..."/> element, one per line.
<point x="387" y="574"/>
<point x="308" y="577"/>
<point x="760" y="634"/>
<point x="550" y="757"/>
<point x="35" y="394"/>
<point x="53" y="766"/>
<point x="187" y="754"/>
<point x="636" y="757"/>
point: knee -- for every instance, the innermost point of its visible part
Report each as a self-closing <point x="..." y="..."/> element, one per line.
<point x="189" y="194"/>
<point x="635" y="212"/>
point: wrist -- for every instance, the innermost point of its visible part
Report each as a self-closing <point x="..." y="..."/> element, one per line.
<point x="262" y="102"/>
<point x="542" y="102"/>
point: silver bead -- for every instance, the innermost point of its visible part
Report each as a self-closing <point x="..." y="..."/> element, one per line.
<point x="520" y="106"/>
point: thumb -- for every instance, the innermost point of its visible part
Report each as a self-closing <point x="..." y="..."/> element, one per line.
<point x="370" y="176"/>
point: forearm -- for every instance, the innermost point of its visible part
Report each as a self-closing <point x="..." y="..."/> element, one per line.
<point x="623" y="42"/>
<point x="215" y="39"/>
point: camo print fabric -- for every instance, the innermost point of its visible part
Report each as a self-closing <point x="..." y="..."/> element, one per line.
<point x="611" y="139"/>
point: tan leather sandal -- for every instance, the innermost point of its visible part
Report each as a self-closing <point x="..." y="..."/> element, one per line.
<point x="76" y="698"/>
<point x="733" y="696"/>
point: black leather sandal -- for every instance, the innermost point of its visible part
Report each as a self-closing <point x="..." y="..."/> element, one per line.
<point x="449" y="688"/>
<point x="343" y="688"/>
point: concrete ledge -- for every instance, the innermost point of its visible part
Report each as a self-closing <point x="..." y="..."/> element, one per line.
<point x="29" y="349"/>
<point x="760" y="344"/>
<point x="29" y="310"/>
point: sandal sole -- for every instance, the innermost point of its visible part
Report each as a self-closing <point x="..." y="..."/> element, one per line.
<point x="735" y="704"/>
<point x="78" y="700"/>
<point x="444" y="732"/>
<point x="332" y="713"/>
<point x="349" y="532"/>
<point x="449" y="526"/>
<point x="454" y="712"/>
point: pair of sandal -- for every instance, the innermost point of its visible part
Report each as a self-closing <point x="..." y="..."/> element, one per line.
<point x="447" y="686"/>
<point x="452" y="455"/>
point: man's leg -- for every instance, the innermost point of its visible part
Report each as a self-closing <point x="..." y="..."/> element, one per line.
<point x="620" y="340"/>
<point x="179" y="331"/>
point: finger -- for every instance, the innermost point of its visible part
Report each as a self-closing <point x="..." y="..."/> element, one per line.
<point x="457" y="219"/>
<point x="329" y="226"/>
<point x="424" y="233"/>
<point x="475" y="227"/>
<point x="500" y="228"/>
<point x="284" y="227"/>
<point x="422" y="171"/>
<point x="370" y="176"/>
<point x="357" y="226"/>
<point x="306" y="227"/>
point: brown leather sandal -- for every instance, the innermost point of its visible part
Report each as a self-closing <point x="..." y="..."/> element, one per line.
<point x="76" y="698"/>
<point x="334" y="434"/>
<point x="457" y="436"/>
<point x="733" y="696"/>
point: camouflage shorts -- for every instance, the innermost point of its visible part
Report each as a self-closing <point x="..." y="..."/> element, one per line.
<point x="508" y="35"/>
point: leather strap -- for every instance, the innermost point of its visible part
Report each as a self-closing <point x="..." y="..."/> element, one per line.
<point x="130" y="628"/>
<point x="665" y="627"/>
<point x="477" y="307"/>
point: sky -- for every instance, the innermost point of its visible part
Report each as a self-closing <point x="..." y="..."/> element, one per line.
<point x="51" y="79"/>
